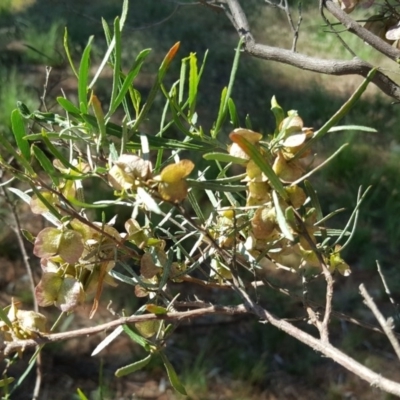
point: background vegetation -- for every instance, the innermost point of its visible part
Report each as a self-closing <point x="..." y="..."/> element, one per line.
<point x="216" y="365"/>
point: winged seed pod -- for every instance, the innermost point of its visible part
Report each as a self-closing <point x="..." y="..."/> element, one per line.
<point x="253" y="137"/>
<point x="349" y="5"/>
<point x="25" y="324"/>
<point x="172" y="185"/>
<point x="384" y="28"/>
<point x="263" y="222"/>
<point x="128" y="171"/>
<point x="288" y="171"/>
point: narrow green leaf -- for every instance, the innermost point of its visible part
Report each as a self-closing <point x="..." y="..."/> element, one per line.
<point x="196" y="207"/>
<point x="354" y="217"/>
<point x="340" y="113"/>
<point x="135" y="337"/>
<point x="128" y="369"/>
<point x="83" y="77"/>
<point x="224" y="157"/>
<point x="57" y="154"/>
<point x="173" y="377"/>
<point x="81" y="204"/>
<point x="19" y="131"/>
<point x="67" y="105"/>
<point x="233" y="113"/>
<point x="81" y="395"/>
<point x="193" y="83"/>
<point x="155" y="309"/>
<point x="220" y="116"/>
<point x="23" y="109"/>
<point x="124" y="13"/>
<point x="278" y="113"/>
<point x="103" y="63"/>
<point x="54" y="216"/>
<point x="280" y="217"/>
<point x="116" y="66"/>
<point x="21" y="160"/>
<point x="66" y="48"/>
<point x="224" y="99"/>
<point x="28" y="236"/>
<point x="4" y="318"/>
<point x="46" y="164"/>
<point x="215" y="186"/>
<point x="248" y="123"/>
<point x="136" y="99"/>
<point x="361" y="128"/>
<point x="5" y="382"/>
<point x="182" y="80"/>
<point x="312" y="194"/>
<point x="107" y="32"/>
<point x="129" y="79"/>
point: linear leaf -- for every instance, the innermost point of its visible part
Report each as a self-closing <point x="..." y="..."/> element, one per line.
<point x="135" y="337"/>
<point x="129" y="79"/>
<point x="172" y="375"/>
<point x="19" y="131"/>
<point x="66" y="48"/>
<point x="67" y="105"/>
<point x="224" y="102"/>
<point x="340" y="113"/>
<point x="45" y="163"/>
<point x="280" y="217"/>
<point x="83" y="77"/>
<point x="5" y="319"/>
<point x="233" y="113"/>
<point x="215" y="186"/>
<point x="81" y="395"/>
<point x="361" y="128"/>
<point x="128" y="369"/>
<point x="116" y="66"/>
<point x="193" y="82"/>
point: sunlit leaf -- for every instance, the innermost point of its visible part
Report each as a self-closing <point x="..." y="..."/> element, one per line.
<point x="66" y="243"/>
<point x="128" y="369"/>
<point x="173" y="377"/>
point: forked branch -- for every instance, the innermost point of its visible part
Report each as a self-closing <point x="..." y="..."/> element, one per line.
<point x="337" y="67"/>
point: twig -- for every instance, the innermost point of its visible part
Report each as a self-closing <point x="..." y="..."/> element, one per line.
<point x="326" y="349"/>
<point x="364" y="34"/>
<point x="385" y="285"/>
<point x="344" y="44"/>
<point x="323" y="66"/>
<point x="284" y="6"/>
<point x="58" y="337"/>
<point x="387" y="328"/>
<point x="45" y="87"/>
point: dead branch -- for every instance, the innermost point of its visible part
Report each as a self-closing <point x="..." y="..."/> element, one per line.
<point x="385" y="324"/>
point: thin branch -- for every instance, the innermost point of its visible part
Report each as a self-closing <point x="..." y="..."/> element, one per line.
<point x="323" y="66"/>
<point x="284" y="6"/>
<point x="364" y="34"/>
<point x="385" y="285"/>
<point x="177" y="316"/>
<point x="326" y="349"/>
<point x="386" y="326"/>
<point x="344" y="44"/>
